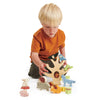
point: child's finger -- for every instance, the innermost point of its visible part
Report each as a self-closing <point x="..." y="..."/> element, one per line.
<point x="40" y="72"/>
<point x="44" y="70"/>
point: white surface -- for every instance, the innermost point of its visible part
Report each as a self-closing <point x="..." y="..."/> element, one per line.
<point x="81" y="24"/>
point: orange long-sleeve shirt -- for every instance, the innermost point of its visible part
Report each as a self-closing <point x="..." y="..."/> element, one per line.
<point x="46" y="46"/>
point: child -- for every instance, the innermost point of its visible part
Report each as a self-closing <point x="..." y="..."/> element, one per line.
<point x="47" y="41"/>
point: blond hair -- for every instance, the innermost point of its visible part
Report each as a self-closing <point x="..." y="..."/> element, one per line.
<point x="50" y="14"/>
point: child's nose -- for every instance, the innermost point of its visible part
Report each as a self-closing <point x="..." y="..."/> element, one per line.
<point x="51" y="30"/>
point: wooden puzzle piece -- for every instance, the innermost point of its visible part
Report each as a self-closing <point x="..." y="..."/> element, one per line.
<point x="67" y="81"/>
<point x="56" y="72"/>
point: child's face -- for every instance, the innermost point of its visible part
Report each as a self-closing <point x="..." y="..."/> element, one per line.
<point x="50" y="31"/>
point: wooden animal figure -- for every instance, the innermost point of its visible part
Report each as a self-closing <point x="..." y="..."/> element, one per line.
<point x="61" y="57"/>
<point x="68" y="67"/>
<point x="25" y="84"/>
<point x="67" y="81"/>
<point x="56" y="72"/>
<point x="42" y="85"/>
<point x="55" y="89"/>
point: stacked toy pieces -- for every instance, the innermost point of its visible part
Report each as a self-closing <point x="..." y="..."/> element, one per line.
<point x="57" y="73"/>
<point x="55" y="88"/>
<point x="24" y="88"/>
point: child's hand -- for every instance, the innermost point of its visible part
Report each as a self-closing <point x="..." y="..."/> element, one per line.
<point x="42" y="69"/>
<point x="65" y="63"/>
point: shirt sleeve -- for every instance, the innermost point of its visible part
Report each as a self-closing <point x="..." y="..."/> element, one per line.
<point x="62" y="40"/>
<point x="61" y="46"/>
<point x="35" y="47"/>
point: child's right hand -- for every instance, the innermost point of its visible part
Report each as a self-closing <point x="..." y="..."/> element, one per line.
<point x="42" y="69"/>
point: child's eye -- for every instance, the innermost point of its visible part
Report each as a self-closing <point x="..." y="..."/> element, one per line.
<point x="47" y="27"/>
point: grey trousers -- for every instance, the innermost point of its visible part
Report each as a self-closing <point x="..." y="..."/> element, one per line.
<point x="34" y="70"/>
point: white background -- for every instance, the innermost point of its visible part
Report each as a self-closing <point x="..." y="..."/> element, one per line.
<point x="81" y="24"/>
